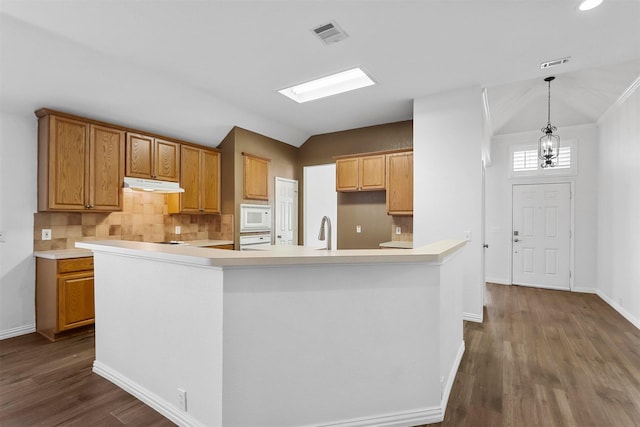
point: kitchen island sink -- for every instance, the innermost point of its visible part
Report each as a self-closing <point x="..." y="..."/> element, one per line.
<point x="286" y="337"/>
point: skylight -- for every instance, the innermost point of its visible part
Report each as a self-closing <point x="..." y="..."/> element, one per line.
<point x="334" y="84"/>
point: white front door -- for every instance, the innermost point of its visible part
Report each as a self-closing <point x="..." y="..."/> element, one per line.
<point x="286" y="225"/>
<point x="541" y="235"/>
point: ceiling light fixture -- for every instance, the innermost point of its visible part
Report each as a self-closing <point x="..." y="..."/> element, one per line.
<point x="589" y="4"/>
<point x="326" y="86"/>
<point x="549" y="144"/>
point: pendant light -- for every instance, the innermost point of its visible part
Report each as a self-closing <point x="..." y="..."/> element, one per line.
<point x="549" y="144"/>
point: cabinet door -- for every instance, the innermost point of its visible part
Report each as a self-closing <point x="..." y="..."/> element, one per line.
<point x="106" y="168"/>
<point x="75" y="300"/>
<point x="256" y="178"/>
<point x="68" y="149"/>
<point x="210" y="181"/>
<point x="190" y="179"/>
<point x="371" y="173"/>
<point x="139" y="156"/>
<point x="400" y="184"/>
<point x="347" y="175"/>
<point x="167" y="160"/>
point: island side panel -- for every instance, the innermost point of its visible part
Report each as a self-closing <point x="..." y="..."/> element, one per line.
<point x="316" y="345"/>
<point x="159" y="328"/>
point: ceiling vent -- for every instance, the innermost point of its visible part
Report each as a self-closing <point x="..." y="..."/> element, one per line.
<point x="554" y="63"/>
<point x="330" y="33"/>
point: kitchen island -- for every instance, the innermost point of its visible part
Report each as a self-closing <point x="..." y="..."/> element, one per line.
<point x="294" y="337"/>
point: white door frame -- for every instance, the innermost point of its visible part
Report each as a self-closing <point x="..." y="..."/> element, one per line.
<point x="295" y="208"/>
<point x="571" y="221"/>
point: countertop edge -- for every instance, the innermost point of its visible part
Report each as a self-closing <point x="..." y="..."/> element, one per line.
<point x="432" y="253"/>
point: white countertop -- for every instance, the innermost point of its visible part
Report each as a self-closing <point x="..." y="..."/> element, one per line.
<point x="80" y="253"/>
<point x="187" y="254"/>
<point x="397" y="244"/>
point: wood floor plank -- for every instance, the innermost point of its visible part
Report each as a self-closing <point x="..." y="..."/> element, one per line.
<point x="541" y="358"/>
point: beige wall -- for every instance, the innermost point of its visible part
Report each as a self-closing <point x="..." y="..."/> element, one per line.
<point x="284" y="159"/>
<point x="367" y="209"/>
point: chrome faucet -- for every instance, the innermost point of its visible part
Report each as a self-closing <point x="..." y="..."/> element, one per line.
<point x="321" y="236"/>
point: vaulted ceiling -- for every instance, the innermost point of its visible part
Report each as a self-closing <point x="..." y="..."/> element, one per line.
<point x="193" y="69"/>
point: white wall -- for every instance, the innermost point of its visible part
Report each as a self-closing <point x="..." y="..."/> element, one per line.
<point x="320" y="199"/>
<point x="447" y="140"/>
<point x="498" y="204"/>
<point x="18" y="188"/>
<point x="619" y="208"/>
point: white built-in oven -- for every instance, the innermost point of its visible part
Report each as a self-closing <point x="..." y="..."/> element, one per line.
<point x="255" y="241"/>
<point x="255" y="218"/>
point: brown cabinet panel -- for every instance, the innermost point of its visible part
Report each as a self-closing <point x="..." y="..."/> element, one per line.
<point x="76" y="300"/>
<point x="347" y="175"/>
<point x="200" y="179"/>
<point x="366" y="173"/>
<point x="372" y="173"/>
<point x="167" y="159"/>
<point x="256" y="177"/>
<point x="190" y="179"/>
<point x="107" y="165"/>
<point x="400" y="184"/>
<point x="64" y="295"/>
<point x="80" y="165"/>
<point x="152" y="158"/>
<point x="210" y="181"/>
<point x="139" y="156"/>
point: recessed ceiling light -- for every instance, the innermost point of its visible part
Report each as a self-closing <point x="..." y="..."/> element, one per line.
<point x="326" y="86"/>
<point x="589" y="4"/>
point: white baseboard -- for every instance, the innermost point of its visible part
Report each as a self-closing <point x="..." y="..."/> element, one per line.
<point x="584" y="290"/>
<point x="170" y="411"/>
<point x="452" y="376"/>
<point x="472" y="317"/>
<point x="403" y="419"/>
<point x="497" y="281"/>
<point x="15" y="332"/>
<point x="635" y="322"/>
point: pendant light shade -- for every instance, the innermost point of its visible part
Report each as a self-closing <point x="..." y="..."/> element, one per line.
<point x="549" y="144"/>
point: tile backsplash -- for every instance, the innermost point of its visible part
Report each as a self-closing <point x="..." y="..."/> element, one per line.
<point x="144" y="218"/>
<point x="406" y="225"/>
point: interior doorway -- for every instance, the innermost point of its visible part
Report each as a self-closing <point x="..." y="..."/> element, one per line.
<point x="541" y="235"/>
<point x="286" y="222"/>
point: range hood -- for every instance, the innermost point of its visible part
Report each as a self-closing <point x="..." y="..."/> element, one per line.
<point x="152" y="185"/>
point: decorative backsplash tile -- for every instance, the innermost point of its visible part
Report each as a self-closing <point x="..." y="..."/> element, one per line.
<point x="406" y="225"/>
<point x="144" y="218"/>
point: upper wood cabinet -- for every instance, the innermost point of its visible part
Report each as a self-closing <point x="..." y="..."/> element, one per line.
<point x="80" y="165"/>
<point x="365" y="173"/>
<point x="152" y="158"/>
<point x="400" y="183"/>
<point x="200" y="178"/>
<point x="256" y="177"/>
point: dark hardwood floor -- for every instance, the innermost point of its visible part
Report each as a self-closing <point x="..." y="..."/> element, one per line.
<point x="541" y="358"/>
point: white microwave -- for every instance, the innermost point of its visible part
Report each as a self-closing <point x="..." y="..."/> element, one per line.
<point x="255" y="218"/>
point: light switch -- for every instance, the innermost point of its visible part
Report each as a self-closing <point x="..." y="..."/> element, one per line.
<point x="178" y="229"/>
<point x="398" y="230"/>
<point x="358" y="229"/>
<point x="46" y="234"/>
<point x="467" y="236"/>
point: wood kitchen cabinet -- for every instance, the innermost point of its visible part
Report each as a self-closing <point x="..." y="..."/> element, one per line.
<point x="64" y="296"/>
<point x="200" y="178"/>
<point x="365" y="173"/>
<point x="152" y="158"/>
<point x="80" y="165"/>
<point x="256" y="177"/>
<point x="400" y="183"/>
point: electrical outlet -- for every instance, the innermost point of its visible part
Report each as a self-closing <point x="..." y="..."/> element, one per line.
<point x="398" y="230"/>
<point x="178" y="229"/>
<point x="46" y="234"/>
<point x="358" y="229"/>
<point x="182" y="399"/>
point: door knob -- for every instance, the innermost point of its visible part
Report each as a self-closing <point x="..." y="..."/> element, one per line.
<point x="516" y="240"/>
<point x="485" y="246"/>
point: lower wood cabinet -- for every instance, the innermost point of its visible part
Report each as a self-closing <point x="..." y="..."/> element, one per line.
<point x="227" y="247"/>
<point x="64" y="295"/>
